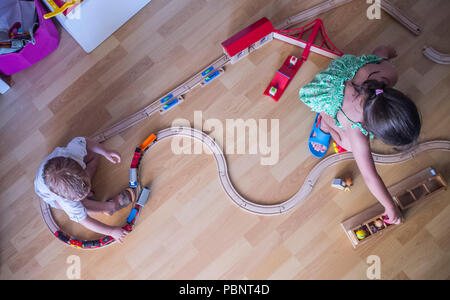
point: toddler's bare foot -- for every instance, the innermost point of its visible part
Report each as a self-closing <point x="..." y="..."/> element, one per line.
<point x="123" y="199"/>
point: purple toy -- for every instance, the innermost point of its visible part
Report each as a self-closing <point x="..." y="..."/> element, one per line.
<point x="47" y="40"/>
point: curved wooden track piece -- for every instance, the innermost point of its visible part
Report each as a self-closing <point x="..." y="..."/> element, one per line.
<point x="436" y="56"/>
<point x="311" y="179"/>
<point x="267" y="209"/>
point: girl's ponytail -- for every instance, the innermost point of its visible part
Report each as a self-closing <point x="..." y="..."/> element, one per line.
<point x="370" y="88"/>
<point x="389" y="114"/>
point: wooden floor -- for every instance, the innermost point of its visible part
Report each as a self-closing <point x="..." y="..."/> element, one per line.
<point x="190" y="229"/>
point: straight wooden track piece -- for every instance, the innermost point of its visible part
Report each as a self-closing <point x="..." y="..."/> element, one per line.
<point x="401" y="16"/>
<point x="311" y="13"/>
<point x="166" y="102"/>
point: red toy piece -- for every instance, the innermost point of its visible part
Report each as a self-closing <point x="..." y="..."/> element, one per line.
<point x="338" y="149"/>
<point x="283" y="77"/>
<point x="317" y="42"/>
<point x="60" y="3"/>
<point x="291" y="65"/>
<point x="136" y="158"/>
<point x="76" y="243"/>
<point x="248" y="39"/>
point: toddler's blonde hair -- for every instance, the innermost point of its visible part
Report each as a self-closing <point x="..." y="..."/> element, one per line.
<point x="66" y="178"/>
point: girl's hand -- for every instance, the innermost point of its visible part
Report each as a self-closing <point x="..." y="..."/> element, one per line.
<point x="112" y="156"/>
<point x="118" y="233"/>
<point x="394" y="215"/>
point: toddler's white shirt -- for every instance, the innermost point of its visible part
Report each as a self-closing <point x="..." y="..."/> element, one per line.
<point x="76" y="150"/>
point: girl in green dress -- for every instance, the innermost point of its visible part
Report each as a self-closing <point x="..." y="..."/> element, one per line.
<point x="355" y="101"/>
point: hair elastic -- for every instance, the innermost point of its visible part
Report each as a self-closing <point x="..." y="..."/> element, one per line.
<point x="378" y="91"/>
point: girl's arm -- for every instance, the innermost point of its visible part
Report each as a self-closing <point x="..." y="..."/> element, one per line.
<point x="117" y="233"/>
<point x="111" y="155"/>
<point x="363" y="156"/>
<point x="387" y="72"/>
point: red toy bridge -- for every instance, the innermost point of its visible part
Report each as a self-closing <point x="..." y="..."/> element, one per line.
<point x="317" y="41"/>
<point x="311" y="37"/>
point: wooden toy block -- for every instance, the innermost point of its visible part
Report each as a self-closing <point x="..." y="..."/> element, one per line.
<point x="370" y="223"/>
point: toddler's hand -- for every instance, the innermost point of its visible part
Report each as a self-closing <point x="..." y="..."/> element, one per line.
<point x="118" y="233"/>
<point x="112" y="156"/>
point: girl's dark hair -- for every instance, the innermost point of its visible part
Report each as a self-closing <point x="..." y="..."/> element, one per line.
<point x="390" y="116"/>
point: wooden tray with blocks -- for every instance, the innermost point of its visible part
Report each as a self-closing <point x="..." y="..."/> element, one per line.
<point x="370" y="223"/>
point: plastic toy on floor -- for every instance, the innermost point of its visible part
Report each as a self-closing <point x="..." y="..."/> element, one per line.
<point x="338" y="149"/>
<point x="282" y="78"/>
<point x="61" y="7"/>
<point x="292" y="64"/>
<point x="46" y="41"/>
<point x="342" y="184"/>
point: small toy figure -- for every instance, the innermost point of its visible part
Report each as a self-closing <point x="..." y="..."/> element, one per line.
<point x="273" y="91"/>
<point x="342" y="184"/>
<point x="293" y="61"/>
<point x="378" y="224"/>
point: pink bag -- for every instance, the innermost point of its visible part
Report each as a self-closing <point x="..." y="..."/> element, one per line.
<point x="47" y="40"/>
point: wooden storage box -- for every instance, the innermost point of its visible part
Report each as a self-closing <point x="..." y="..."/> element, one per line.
<point x="371" y="221"/>
<point x="417" y="188"/>
<point x="369" y="224"/>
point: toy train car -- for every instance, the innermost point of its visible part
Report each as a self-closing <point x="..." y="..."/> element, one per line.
<point x="137" y="157"/>
<point x="91" y="244"/>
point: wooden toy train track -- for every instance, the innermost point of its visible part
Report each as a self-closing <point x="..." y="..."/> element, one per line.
<point x="169" y="100"/>
<point x="436" y="56"/>
<point x="204" y="77"/>
<point x="233" y="194"/>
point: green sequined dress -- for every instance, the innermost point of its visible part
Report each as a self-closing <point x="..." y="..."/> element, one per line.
<point x="326" y="92"/>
